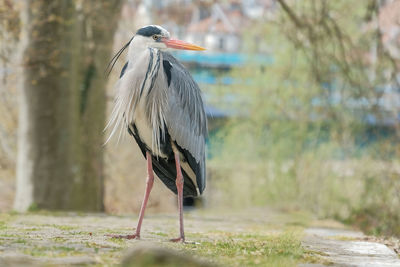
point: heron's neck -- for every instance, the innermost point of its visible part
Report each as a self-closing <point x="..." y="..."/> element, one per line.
<point x="137" y="47"/>
<point x="152" y="70"/>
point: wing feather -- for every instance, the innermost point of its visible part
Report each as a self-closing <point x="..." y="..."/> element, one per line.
<point x="185" y="118"/>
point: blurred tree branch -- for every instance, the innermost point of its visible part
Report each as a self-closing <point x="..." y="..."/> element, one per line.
<point x="291" y="14"/>
<point x="361" y="59"/>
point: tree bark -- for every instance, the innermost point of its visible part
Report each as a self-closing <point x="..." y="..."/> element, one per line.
<point x="98" y="21"/>
<point x="62" y="104"/>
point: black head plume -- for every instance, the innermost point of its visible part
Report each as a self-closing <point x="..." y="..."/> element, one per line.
<point x="148" y="31"/>
<point x="110" y="65"/>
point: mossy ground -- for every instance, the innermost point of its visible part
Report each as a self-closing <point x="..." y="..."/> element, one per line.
<point x="257" y="238"/>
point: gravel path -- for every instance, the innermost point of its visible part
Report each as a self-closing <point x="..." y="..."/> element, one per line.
<point x="341" y="247"/>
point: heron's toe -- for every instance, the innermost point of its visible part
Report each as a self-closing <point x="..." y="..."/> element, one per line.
<point x="179" y="239"/>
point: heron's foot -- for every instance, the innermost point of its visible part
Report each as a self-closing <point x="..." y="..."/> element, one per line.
<point x="179" y="239"/>
<point x="135" y="236"/>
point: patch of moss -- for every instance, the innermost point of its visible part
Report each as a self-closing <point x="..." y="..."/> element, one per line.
<point x="315" y="257"/>
<point x="51" y="251"/>
<point x="119" y="241"/>
<point x="21" y="241"/>
<point x="160" y="234"/>
<point x="62" y="227"/>
<point x="95" y="245"/>
<point x="33" y="229"/>
<point x="3" y="226"/>
<point x="59" y="239"/>
<point x="64" y="248"/>
<point x="5" y="219"/>
<point x="83" y="233"/>
<point x="33" y="207"/>
<point x="9" y="235"/>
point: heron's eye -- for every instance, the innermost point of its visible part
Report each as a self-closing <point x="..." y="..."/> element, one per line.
<point x="156" y="37"/>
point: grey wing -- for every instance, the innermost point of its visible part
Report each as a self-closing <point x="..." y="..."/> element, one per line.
<point x="186" y="120"/>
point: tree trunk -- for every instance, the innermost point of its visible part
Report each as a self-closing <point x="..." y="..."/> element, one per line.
<point x="98" y="21"/>
<point x="62" y="105"/>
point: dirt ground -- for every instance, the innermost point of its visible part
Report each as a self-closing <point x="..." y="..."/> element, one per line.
<point x="259" y="237"/>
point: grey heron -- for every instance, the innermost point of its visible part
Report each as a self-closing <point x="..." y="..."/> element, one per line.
<point x="161" y="106"/>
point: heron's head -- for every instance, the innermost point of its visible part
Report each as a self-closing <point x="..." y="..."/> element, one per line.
<point x="153" y="36"/>
<point x="157" y="37"/>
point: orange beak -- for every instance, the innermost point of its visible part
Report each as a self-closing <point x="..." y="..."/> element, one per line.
<point x="178" y="44"/>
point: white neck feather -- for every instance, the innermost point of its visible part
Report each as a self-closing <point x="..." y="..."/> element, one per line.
<point x="137" y="46"/>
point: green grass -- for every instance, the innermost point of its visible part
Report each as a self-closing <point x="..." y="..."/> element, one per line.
<point x="51" y="251"/>
<point x="21" y="241"/>
<point x="62" y="227"/>
<point x="315" y="257"/>
<point x="33" y="229"/>
<point x="282" y="249"/>
<point x="161" y="234"/>
<point x="3" y="226"/>
<point x="58" y="239"/>
<point x="118" y="241"/>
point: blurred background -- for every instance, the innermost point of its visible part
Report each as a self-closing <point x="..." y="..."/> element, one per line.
<point x="302" y="97"/>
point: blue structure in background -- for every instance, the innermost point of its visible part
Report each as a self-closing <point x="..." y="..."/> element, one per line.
<point x="213" y="59"/>
<point x="206" y="65"/>
<point x="222" y="59"/>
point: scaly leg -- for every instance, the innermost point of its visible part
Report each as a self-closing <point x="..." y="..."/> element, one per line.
<point x="179" y="187"/>
<point x="149" y="186"/>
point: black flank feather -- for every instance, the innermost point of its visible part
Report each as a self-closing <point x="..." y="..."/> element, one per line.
<point x="167" y="69"/>
<point x="165" y="167"/>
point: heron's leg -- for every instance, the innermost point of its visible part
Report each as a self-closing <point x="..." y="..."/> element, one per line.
<point x="149" y="186"/>
<point x="179" y="187"/>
